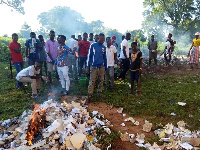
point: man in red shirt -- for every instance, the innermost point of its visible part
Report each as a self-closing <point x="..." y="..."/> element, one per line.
<point x="15" y="50"/>
<point x="84" y="46"/>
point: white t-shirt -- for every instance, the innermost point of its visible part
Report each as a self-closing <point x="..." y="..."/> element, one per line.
<point x="126" y="44"/>
<point x="110" y="55"/>
<point x="168" y="44"/>
<point x="30" y="71"/>
<point x="71" y="43"/>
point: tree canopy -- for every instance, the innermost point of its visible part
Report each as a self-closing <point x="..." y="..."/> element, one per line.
<point x="15" y="4"/>
<point x="177" y="16"/>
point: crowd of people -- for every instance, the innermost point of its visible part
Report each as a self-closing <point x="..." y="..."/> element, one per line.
<point x="96" y="55"/>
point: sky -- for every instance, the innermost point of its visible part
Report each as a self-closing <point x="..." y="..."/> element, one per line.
<point x="122" y="15"/>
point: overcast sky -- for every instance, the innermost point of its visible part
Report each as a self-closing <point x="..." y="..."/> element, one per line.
<point x="122" y="15"/>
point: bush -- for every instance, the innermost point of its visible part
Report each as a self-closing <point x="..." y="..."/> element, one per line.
<point x="4" y="50"/>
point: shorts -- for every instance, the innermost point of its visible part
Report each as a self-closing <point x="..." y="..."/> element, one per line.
<point x="152" y="55"/>
<point x="50" y="67"/>
<point x="134" y="75"/>
<point x="71" y="60"/>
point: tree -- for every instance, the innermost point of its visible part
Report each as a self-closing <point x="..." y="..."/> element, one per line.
<point x="139" y="34"/>
<point x="62" y="20"/>
<point x="97" y="26"/>
<point x="25" y="31"/>
<point x="15" y="4"/>
<point x="178" y="16"/>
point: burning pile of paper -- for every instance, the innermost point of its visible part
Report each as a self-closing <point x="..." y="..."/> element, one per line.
<point x="54" y="126"/>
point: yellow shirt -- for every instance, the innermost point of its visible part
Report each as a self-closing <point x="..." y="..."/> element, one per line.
<point x="196" y="42"/>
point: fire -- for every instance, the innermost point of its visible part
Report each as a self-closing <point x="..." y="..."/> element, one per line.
<point x="37" y="122"/>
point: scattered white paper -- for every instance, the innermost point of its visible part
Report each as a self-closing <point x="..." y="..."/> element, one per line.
<point x="181" y="103"/>
<point x="123" y="125"/>
<point x="94" y="113"/>
<point x="173" y="114"/>
<point x="186" y="146"/>
<point x="120" y="110"/>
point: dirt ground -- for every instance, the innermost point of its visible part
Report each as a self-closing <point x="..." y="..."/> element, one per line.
<point x="116" y="119"/>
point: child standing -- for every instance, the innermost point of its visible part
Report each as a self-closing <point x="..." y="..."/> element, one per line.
<point x="61" y="63"/>
<point x="135" y="67"/>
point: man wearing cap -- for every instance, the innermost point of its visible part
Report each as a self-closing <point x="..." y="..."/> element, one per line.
<point x="152" y="46"/>
<point x="138" y="44"/>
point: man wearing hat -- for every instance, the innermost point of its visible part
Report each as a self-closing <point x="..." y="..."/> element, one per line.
<point x="152" y="46"/>
<point x="138" y="44"/>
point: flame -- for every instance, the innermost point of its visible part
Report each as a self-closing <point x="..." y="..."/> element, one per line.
<point x="37" y="122"/>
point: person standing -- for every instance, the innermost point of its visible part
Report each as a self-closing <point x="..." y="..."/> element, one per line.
<point x="79" y="38"/>
<point x="96" y="38"/>
<point x="194" y="51"/>
<point x="111" y="54"/>
<point x="72" y="44"/>
<point x="91" y="40"/>
<point x="124" y="56"/>
<point x="84" y="46"/>
<point x="114" y="43"/>
<point x="138" y="44"/>
<point x="42" y="56"/>
<point x="152" y="46"/>
<point x="51" y="46"/>
<point x="61" y="63"/>
<point x="135" y="67"/>
<point x="31" y="75"/>
<point x="33" y="46"/>
<point x="169" y="48"/>
<point x="17" y="60"/>
<point x="96" y="59"/>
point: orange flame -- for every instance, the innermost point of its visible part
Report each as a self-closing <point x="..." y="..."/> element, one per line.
<point x="37" y="122"/>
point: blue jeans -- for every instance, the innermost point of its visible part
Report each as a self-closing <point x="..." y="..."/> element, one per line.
<point x="18" y="67"/>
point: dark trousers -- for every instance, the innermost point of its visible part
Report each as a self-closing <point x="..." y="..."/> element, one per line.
<point x="82" y="61"/>
<point x="125" y="64"/>
<point x="45" y="67"/>
<point x="31" y="61"/>
<point x="18" y="66"/>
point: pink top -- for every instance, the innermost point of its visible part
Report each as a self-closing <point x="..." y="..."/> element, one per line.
<point x="52" y="48"/>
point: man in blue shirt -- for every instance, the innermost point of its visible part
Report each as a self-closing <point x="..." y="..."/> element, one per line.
<point x="33" y="46"/>
<point x="96" y="59"/>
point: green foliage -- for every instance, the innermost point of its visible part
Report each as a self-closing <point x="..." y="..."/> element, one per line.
<point x="139" y="34"/>
<point x="4" y="50"/>
<point x="15" y="4"/>
<point x="179" y="17"/>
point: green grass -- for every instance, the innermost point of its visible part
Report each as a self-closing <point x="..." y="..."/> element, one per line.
<point x="159" y="98"/>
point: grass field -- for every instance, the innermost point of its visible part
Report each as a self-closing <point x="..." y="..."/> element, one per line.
<point x="159" y="98"/>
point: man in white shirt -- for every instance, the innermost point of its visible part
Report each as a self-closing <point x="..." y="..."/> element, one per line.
<point x="91" y="38"/>
<point x="31" y="75"/>
<point x="111" y="54"/>
<point x="72" y="43"/>
<point x="124" y="55"/>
